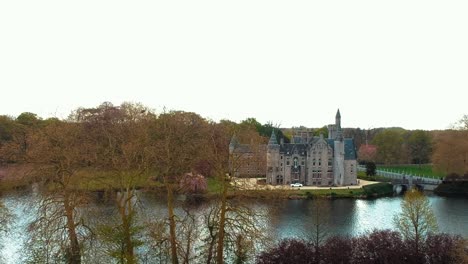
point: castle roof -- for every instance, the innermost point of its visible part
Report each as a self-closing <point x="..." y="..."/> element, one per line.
<point x="299" y="148"/>
<point x="349" y="148"/>
<point x="291" y="148"/>
<point x="273" y="140"/>
<point x="246" y="148"/>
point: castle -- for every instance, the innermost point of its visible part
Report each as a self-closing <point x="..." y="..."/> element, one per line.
<point x="310" y="160"/>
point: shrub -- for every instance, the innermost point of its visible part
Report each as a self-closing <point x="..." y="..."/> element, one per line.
<point x="336" y="250"/>
<point x="289" y="251"/>
<point x="439" y="248"/>
<point x="370" y="169"/>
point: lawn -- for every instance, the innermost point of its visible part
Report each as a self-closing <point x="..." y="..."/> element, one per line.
<point x="424" y="170"/>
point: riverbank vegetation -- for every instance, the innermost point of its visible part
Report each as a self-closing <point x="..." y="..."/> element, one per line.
<point x="452" y="188"/>
<point x="379" y="246"/>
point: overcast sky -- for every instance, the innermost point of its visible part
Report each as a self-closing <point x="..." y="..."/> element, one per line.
<point x="383" y="63"/>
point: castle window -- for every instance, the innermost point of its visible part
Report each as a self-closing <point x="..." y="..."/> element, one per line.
<point x="281" y="157"/>
<point x="287" y="162"/>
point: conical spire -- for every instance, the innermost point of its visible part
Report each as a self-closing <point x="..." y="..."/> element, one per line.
<point x="273" y="140"/>
<point x="338" y="120"/>
<point x="233" y="142"/>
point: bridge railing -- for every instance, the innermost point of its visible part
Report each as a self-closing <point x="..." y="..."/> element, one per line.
<point x="402" y="176"/>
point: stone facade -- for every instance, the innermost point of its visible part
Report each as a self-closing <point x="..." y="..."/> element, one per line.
<point x="247" y="160"/>
<point x="308" y="160"/>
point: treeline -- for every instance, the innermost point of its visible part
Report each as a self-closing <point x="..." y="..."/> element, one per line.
<point x="17" y="134"/>
<point x="397" y="145"/>
<point x="447" y="149"/>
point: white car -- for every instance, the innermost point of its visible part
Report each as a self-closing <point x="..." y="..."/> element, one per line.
<point x="296" y="184"/>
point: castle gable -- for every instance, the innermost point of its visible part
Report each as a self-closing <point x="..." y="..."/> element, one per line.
<point x="290" y="149"/>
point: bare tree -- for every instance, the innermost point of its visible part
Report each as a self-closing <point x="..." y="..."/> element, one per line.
<point x="320" y="222"/>
<point x="231" y="224"/>
<point x="179" y="140"/>
<point x="57" y="156"/>
<point x="120" y="139"/>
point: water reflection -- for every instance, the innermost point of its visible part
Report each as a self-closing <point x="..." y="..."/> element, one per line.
<point x="283" y="218"/>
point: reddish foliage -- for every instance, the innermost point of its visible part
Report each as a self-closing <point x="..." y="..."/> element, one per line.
<point x="439" y="248"/>
<point x="336" y="250"/>
<point x="289" y="251"/>
<point x="380" y="246"/>
<point x="193" y="183"/>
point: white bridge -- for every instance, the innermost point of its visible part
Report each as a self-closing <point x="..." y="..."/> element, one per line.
<point x="402" y="181"/>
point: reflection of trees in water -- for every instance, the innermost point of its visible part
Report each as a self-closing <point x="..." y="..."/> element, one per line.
<point x="277" y="217"/>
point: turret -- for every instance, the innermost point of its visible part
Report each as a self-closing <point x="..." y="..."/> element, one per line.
<point x="338" y="120"/>
<point x="273" y="140"/>
<point x="233" y="144"/>
<point x="273" y="156"/>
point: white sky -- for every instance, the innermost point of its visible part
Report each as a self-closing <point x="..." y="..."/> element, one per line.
<point x="383" y="63"/>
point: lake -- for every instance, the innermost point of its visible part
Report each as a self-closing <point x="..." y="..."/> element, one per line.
<point x="282" y="218"/>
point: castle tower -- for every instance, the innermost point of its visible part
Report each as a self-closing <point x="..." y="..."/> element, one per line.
<point x="273" y="157"/>
<point x="334" y="129"/>
<point x="338" y="120"/>
<point x="339" y="161"/>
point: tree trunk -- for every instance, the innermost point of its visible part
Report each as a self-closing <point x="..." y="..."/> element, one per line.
<point x="126" y="215"/>
<point x="210" y="252"/>
<point x="222" y="222"/>
<point x="172" y="224"/>
<point x="74" y="254"/>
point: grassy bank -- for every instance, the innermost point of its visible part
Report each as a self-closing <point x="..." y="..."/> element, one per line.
<point x="98" y="180"/>
<point x="362" y="175"/>
<point x="368" y="191"/>
<point x="425" y="170"/>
